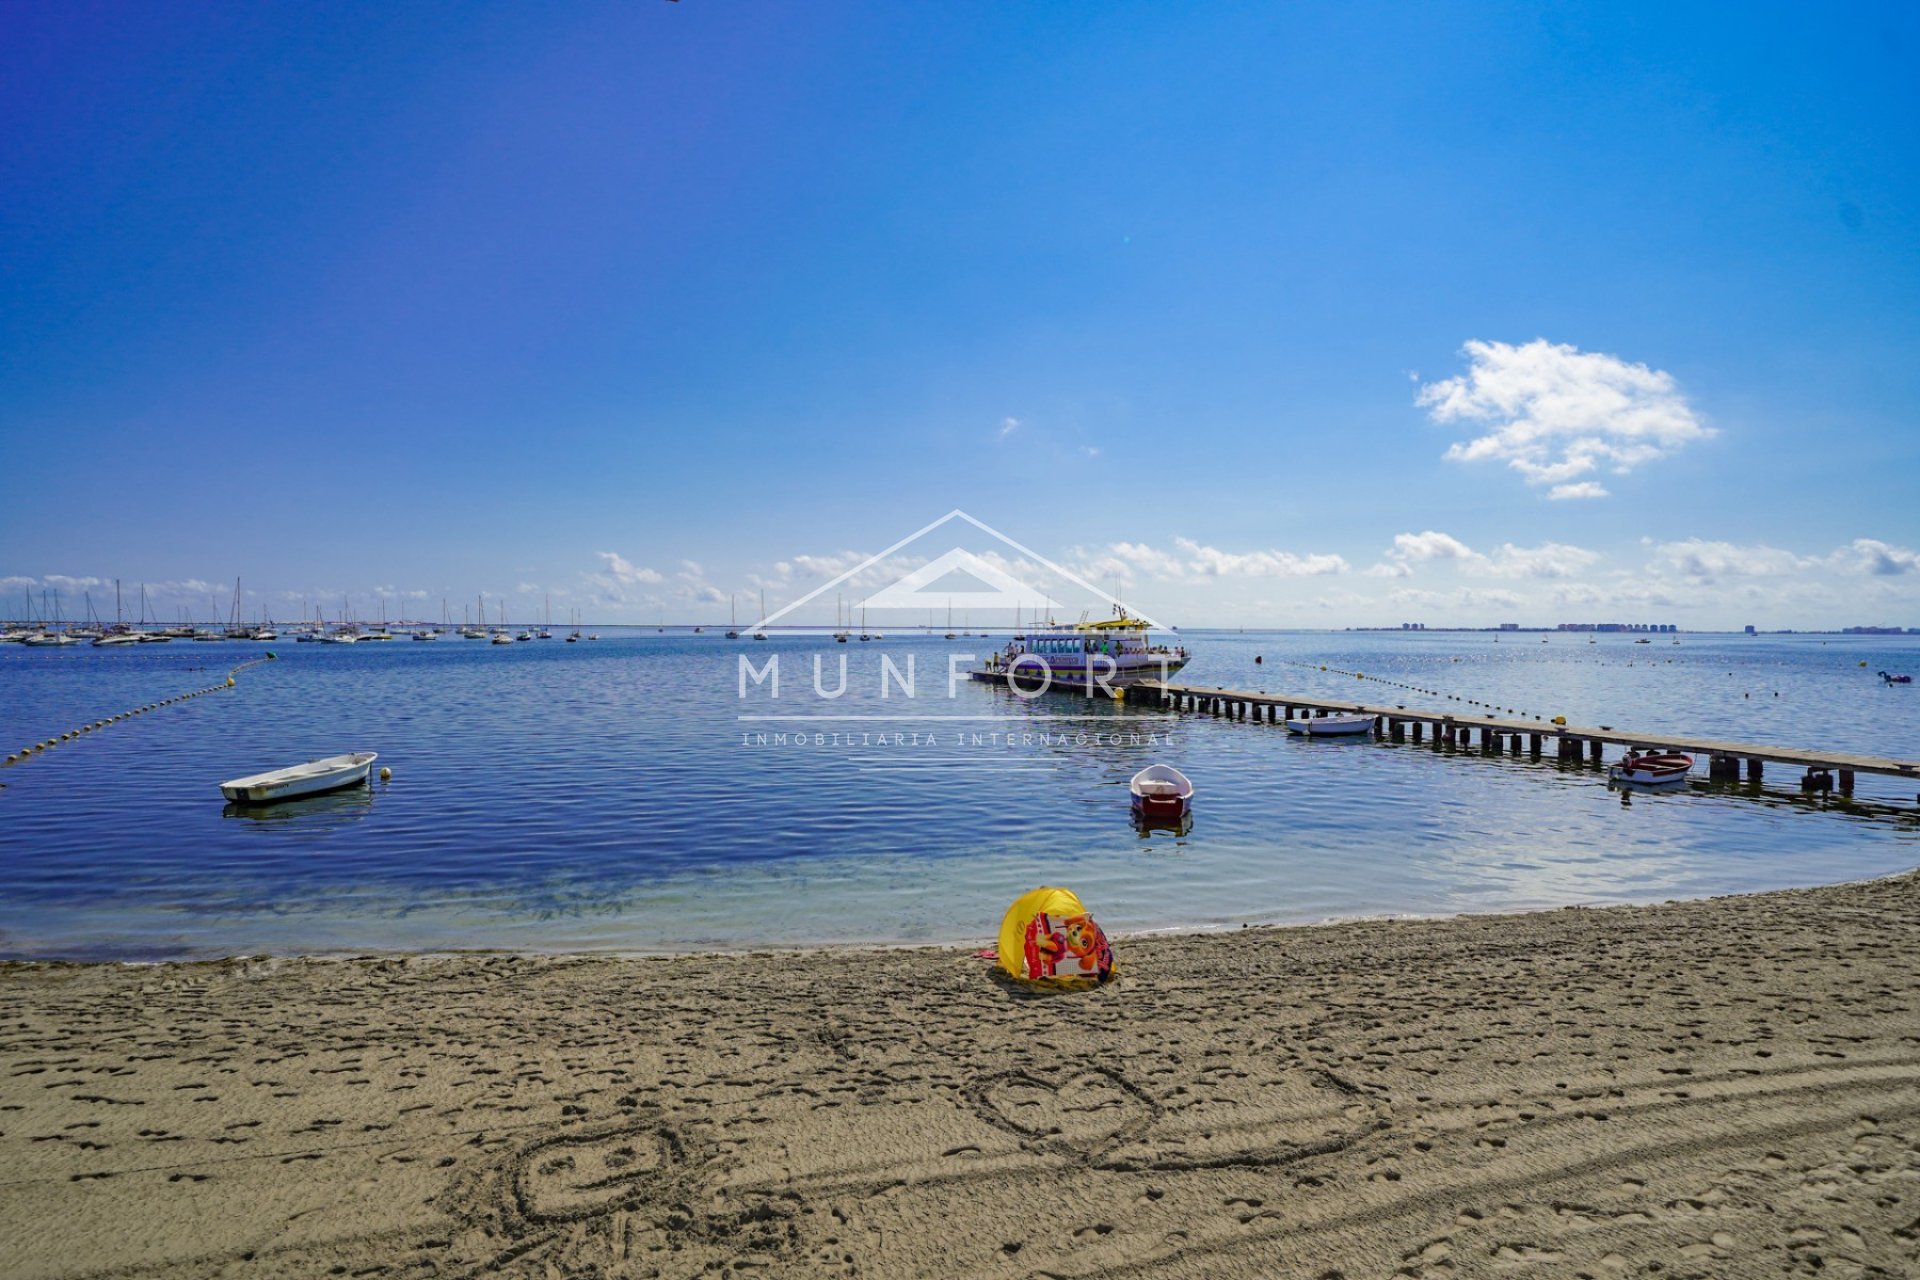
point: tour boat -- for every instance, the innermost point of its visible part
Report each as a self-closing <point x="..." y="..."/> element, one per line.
<point x="1110" y="654"/>
<point x="1654" y="769"/>
<point x="301" y="779"/>
<point x="1337" y="725"/>
<point x="1162" y="792"/>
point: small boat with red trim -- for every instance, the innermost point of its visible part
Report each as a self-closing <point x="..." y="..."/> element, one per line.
<point x="1653" y="769"/>
<point x="1887" y="676"/>
<point x="1161" y="793"/>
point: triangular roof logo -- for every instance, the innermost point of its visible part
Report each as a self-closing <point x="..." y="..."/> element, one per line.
<point x="1004" y="591"/>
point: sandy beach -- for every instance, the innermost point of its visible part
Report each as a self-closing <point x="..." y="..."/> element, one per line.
<point x="1720" y="1088"/>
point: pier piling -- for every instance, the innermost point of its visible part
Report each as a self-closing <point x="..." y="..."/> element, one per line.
<point x="1501" y="736"/>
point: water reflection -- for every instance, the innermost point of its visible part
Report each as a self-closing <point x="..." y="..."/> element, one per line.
<point x="326" y="811"/>
<point x="1149" y="827"/>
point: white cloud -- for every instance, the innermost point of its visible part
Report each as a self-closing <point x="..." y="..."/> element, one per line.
<point x="1213" y="562"/>
<point x="1548" y="560"/>
<point x="1871" y="556"/>
<point x="1705" y="560"/>
<point x="625" y="572"/>
<point x="1557" y="413"/>
<point x="1008" y="426"/>
<point x="1415" y="548"/>
<point x="1125" y="561"/>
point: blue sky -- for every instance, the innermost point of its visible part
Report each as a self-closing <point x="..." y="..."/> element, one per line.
<point x="1267" y="314"/>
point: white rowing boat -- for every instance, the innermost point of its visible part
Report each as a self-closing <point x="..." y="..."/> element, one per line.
<point x="1161" y="791"/>
<point x="1331" y="726"/>
<point x="301" y="779"/>
<point x="1655" y="769"/>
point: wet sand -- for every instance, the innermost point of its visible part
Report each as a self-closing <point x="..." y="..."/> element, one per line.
<point x="1723" y="1088"/>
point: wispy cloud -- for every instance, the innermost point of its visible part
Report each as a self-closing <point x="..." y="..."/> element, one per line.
<point x="1190" y="558"/>
<point x="1008" y="426"/>
<point x="1212" y="562"/>
<point x="1555" y="413"/>
<point x="1707" y="560"/>
<point x="1871" y="556"/>
<point x="1548" y="560"/>
<point x="625" y="572"/>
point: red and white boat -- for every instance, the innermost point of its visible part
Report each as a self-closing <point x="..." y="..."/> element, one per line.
<point x="1655" y="769"/>
<point x="1161" y="792"/>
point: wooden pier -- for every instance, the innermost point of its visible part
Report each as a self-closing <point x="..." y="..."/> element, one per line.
<point x="1726" y="761"/>
<point x="1498" y="736"/>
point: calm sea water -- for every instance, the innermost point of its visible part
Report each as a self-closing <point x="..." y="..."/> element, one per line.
<point x="610" y="794"/>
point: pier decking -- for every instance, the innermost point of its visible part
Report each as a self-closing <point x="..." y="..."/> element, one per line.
<point x="1825" y="770"/>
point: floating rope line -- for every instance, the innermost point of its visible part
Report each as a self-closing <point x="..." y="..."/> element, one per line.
<point x="27" y="753"/>
<point x="1410" y="688"/>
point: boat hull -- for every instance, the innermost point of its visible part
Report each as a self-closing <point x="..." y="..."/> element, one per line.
<point x="309" y="779"/>
<point x="1162" y="809"/>
<point x="1331" y="726"/>
<point x="1653" y="771"/>
<point x="1160" y="793"/>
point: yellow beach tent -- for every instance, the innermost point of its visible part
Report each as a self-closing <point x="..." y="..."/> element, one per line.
<point x="1047" y="936"/>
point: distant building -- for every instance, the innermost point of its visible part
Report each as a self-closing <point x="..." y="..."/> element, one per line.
<point x="1509" y="626"/>
<point x="1750" y="630"/>
<point x="1413" y="626"/>
<point x="1873" y="631"/>
<point x="1619" y="626"/>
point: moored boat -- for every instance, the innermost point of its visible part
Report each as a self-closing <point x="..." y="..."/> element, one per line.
<point x="1652" y="769"/>
<point x="1335" y="725"/>
<point x="1890" y="678"/>
<point x="1161" y="792"/>
<point x="301" y="779"/>
<point x="1110" y="654"/>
